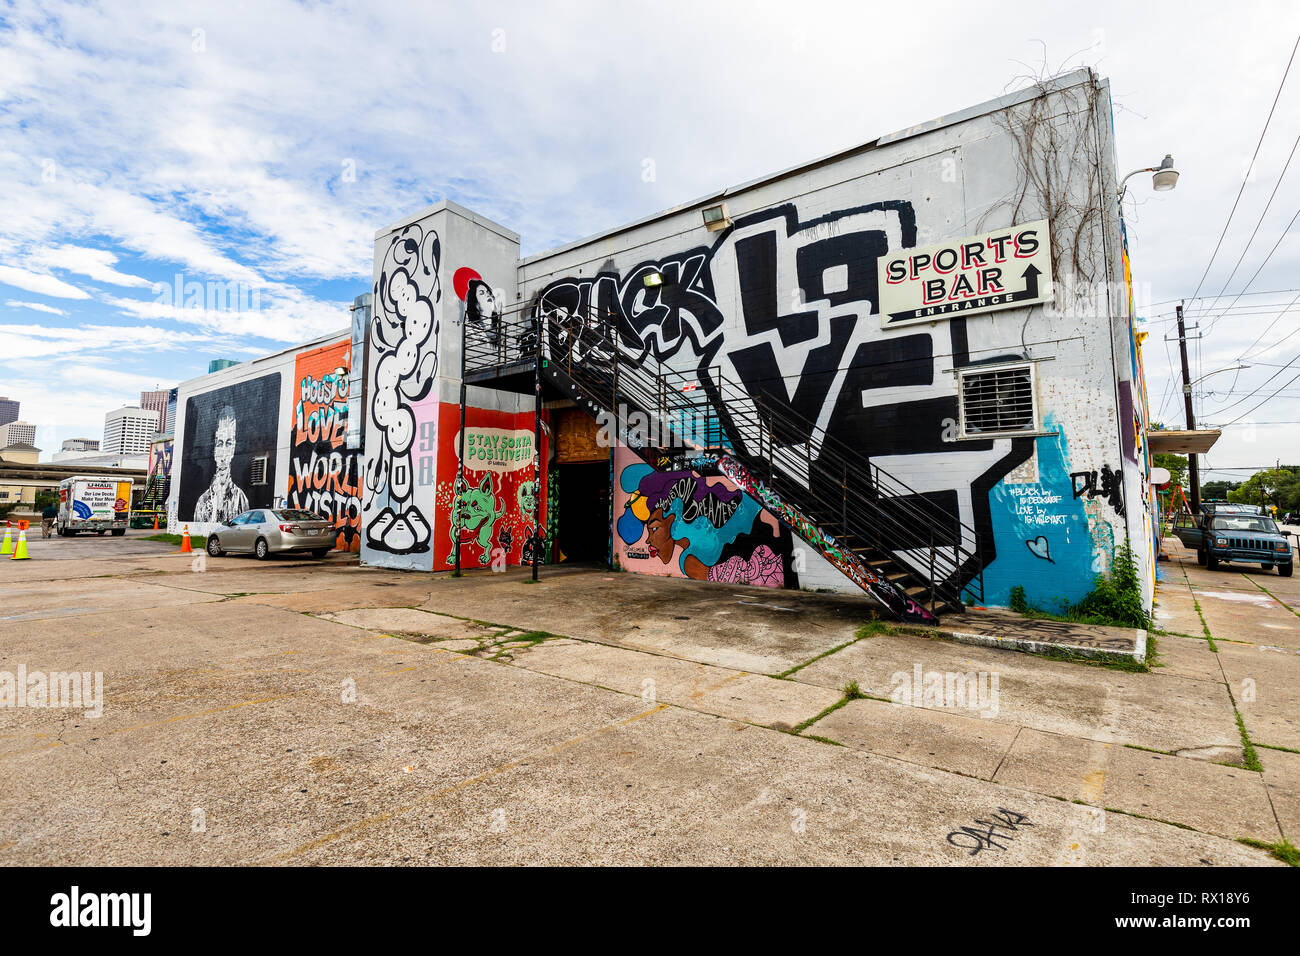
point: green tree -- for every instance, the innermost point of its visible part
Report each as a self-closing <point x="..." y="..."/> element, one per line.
<point x="1217" y="490"/>
<point x="1279" y="487"/>
<point x="1176" y="465"/>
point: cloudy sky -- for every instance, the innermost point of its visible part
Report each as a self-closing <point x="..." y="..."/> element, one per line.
<point x="264" y="143"/>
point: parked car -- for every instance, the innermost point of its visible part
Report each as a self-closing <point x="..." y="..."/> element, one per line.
<point x="1291" y="517"/>
<point x="267" y="531"/>
<point x="1235" y="537"/>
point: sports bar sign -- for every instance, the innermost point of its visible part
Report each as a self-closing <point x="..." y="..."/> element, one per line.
<point x="1005" y="269"/>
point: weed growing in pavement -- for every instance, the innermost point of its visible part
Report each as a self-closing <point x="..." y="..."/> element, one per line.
<point x="1114" y="601"/>
<point x="1284" y="851"/>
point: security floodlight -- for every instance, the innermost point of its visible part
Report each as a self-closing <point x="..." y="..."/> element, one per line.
<point x="715" y="217"/>
<point x="653" y="279"/>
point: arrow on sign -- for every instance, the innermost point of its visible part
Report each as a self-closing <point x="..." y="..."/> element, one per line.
<point x="999" y="301"/>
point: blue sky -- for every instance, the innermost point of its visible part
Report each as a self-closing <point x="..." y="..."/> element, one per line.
<point x="264" y="144"/>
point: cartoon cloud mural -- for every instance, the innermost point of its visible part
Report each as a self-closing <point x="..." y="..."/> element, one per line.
<point x="404" y="360"/>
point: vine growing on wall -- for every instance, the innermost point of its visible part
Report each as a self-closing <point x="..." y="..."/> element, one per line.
<point x="1058" y="171"/>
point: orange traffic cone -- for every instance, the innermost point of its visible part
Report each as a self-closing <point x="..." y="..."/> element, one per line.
<point x="7" y="546"/>
<point x="20" y="552"/>
<point x="155" y="522"/>
<point x="185" y="541"/>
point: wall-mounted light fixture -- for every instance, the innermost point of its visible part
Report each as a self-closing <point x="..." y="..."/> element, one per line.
<point x="715" y="217"/>
<point x="1165" y="178"/>
<point x="653" y="279"/>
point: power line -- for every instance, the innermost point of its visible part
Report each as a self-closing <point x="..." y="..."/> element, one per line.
<point x="1285" y="232"/>
<point x="1255" y="231"/>
<point x="1246" y="178"/>
<point x="1261" y="403"/>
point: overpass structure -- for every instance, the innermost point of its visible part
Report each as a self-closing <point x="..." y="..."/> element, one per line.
<point x="49" y="474"/>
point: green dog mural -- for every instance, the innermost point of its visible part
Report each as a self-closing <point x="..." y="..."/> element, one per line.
<point x="473" y="518"/>
<point x="527" y="498"/>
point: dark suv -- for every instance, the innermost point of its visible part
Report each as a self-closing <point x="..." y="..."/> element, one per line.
<point x="1236" y="536"/>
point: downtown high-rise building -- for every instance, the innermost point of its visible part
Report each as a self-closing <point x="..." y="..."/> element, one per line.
<point x="8" y="410"/>
<point x="129" y="431"/>
<point x="17" y="433"/>
<point x="156" y="401"/>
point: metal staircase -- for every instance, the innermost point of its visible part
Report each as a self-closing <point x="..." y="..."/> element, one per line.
<point x="897" y="545"/>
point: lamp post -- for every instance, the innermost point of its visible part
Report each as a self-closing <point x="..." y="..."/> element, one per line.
<point x="1165" y="178"/>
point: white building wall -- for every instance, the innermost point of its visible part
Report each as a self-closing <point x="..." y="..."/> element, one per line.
<point x="1047" y="511"/>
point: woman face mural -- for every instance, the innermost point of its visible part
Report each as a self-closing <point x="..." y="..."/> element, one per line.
<point x="659" y="535"/>
<point x="679" y="515"/>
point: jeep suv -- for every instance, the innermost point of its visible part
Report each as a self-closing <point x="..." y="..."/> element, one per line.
<point x="1235" y="537"/>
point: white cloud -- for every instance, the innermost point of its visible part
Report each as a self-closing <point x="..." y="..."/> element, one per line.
<point x="37" y="306"/>
<point x="23" y="342"/>
<point x="118" y="137"/>
<point x="40" y="283"/>
<point x="98" y="264"/>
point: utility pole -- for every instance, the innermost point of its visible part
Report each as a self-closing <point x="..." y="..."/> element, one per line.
<point x="1193" y="472"/>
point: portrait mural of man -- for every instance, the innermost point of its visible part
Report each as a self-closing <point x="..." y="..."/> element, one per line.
<point x="228" y="464"/>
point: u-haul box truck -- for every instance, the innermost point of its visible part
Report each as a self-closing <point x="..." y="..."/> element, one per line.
<point x="93" y="504"/>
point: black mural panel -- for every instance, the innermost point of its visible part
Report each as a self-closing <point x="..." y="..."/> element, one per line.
<point x="810" y="351"/>
<point x="225" y="430"/>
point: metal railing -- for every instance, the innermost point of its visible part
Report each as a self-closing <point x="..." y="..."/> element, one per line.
<point x="862" y="507"/>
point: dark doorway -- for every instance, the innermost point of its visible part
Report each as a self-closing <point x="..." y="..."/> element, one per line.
<point x="583" y="532"/>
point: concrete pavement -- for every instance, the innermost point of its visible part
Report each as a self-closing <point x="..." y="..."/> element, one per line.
<point x="301" y="712"/>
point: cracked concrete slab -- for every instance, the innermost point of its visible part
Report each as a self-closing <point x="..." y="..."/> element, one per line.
<point x="958" y="742"/>
<point x="753" y="698"/>
<point x="1165" y="712"/>
<point x="411" y="621"/>
<point x="1211" y="798"/>
<point x="1188" y="657"/>
<point x="1265" y="681"/>
<point x="1282" y="780"/>
<point x="675" y="787"/>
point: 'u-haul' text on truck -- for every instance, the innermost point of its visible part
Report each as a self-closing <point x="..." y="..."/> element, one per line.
<point x="93" y="504"/>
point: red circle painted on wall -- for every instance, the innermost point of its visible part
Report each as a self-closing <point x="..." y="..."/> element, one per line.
<point x="461" y="280"/>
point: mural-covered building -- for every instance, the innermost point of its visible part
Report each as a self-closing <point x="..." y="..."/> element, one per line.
<point x="268" y="433"/>
<point x="909" y="368"/>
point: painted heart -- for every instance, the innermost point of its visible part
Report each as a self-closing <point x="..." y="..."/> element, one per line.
<point x="1038" y="546"/>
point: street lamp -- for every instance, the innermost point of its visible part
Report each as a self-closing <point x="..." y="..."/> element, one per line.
<point x="1165" y="178"/>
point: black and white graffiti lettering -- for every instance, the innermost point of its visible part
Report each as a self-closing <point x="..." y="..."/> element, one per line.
<point x="1106" y="484"/>
<point x="786" y="309"/>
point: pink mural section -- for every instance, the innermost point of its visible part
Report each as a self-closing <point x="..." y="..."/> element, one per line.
<point x="681" y="524"/>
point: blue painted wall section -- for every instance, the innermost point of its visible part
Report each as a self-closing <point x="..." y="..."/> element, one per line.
<point x="1044" y="536"/>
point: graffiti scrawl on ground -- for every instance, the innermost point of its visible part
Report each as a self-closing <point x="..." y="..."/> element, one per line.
<point x="324" y="476"/>
<point x="681" y="524"/>
<point x="226" y="431"/>
<point x="404" y="366"/>
<point x="492" y="514"/>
